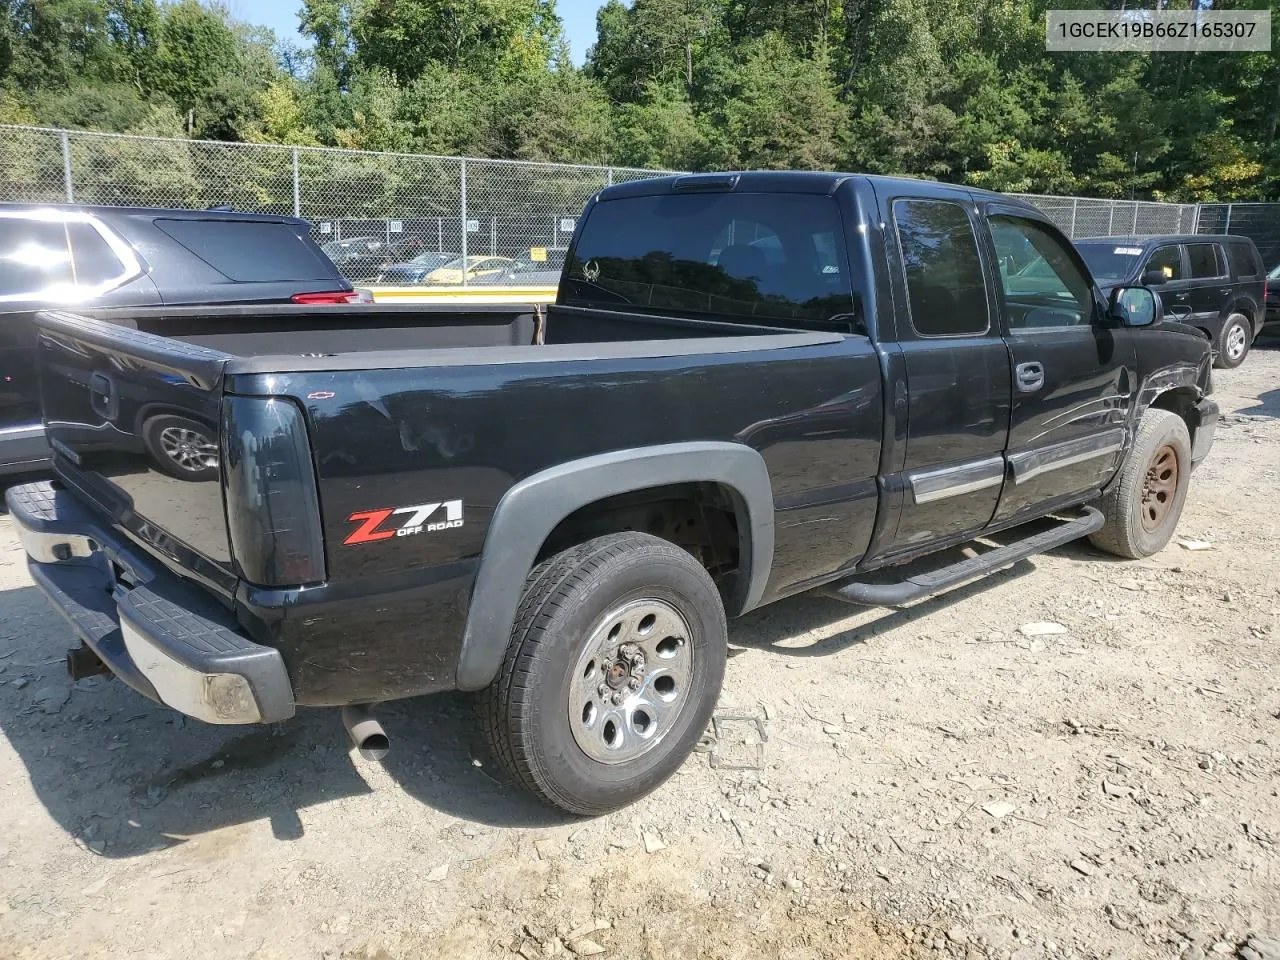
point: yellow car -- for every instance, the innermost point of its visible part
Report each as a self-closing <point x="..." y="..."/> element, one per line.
<point x="478" y="270"/>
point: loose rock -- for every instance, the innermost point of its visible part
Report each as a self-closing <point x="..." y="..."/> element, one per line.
<point x="1041" y="628"/>
<point x="653" y="843"/>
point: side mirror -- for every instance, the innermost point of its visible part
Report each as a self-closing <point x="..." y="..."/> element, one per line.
<point x="1135" y="307"/>
<point x="1153" y="278"/>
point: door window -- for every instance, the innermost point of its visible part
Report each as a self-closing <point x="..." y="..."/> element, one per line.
<point x="1202" y="258"/>
<point x="1048" y="289"/>
<point x="1168" y="260"/>
<point x="34" y="259"/>
<point x="945" y="288"/>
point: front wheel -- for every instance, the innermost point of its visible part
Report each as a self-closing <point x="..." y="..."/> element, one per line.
<point x="1234" y="342"/>
<point x="1143" y="506"/>
<point x="612" y="673"/>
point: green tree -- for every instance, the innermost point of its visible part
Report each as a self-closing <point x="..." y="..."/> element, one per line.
<point x="501" y="37"/>
<point x="782" y="112"/>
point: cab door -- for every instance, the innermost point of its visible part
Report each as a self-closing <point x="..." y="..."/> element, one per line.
<point x="1073" y="372"/>
<point x="1175" y="291"/>
<point x="957" y="381"/>
<point x="1209" y="288"/>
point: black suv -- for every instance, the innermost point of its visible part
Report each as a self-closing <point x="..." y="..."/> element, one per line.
<point x="1214" y="283"/>
<point x="102" y="257"/>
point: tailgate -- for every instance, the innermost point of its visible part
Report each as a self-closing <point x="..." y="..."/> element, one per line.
<point x="133" y="421"/>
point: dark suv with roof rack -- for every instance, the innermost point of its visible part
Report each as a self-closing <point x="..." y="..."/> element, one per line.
<point x="94" y="257"/>
<point x="1213" y="283"/>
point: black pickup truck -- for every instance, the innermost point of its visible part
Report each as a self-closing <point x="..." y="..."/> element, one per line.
<point x="751" y="385"/>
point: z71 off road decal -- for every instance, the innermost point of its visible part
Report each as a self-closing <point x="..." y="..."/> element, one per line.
<point x="424" y="518"/>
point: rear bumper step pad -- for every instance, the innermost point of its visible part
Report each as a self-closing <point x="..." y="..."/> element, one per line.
<point x="163" y="638"/>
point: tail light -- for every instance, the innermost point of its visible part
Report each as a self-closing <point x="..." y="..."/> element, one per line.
<point x="334" y="296"/>
<point x="273" y="509"/>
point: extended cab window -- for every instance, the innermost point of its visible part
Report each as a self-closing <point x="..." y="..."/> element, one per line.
<point x="945" y="287"/>
<point x="1203" y="260"/>
<point x="730" y="256"/>
<point x="1049" y="290"/>
<point x="1168" y="260"/>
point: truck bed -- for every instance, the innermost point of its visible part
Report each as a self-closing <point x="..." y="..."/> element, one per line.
<point x="324" y="332"/>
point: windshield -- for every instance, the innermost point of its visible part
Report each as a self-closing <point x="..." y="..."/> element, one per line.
<point x="1107" y="259"/>
<point x="541" y="259"/>
<point x="456" y="262"/>
<point x="433" y="259"/>
<point x="354" y="245"/>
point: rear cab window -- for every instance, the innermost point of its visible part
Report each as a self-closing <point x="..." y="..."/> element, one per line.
<point x="773" y="258"/>
<point x="250" y="250"/>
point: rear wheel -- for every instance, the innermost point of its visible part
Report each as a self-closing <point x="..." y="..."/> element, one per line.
<point x="613" y="670"/>
<point x="1142" y="508"/>
<point x="1234" y="342"/>
<point x="182" y="448"/>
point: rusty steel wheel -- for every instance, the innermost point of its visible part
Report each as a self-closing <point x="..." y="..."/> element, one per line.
<point x="1159" y="488"/>
<point x="1142" y="504"/>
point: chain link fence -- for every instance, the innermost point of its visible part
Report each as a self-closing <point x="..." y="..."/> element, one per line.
<point x="1080" y="217"/>
<point x="411" y="204"/>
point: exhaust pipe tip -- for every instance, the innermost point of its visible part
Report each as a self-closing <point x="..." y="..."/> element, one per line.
<point x="365" y="731"/>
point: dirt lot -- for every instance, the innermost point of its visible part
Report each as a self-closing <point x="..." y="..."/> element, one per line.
<point x="933" y="781"/>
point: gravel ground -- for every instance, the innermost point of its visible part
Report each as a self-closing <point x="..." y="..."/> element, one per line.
<point x="945" y="780"/>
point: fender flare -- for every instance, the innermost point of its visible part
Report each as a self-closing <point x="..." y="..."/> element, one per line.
<point x="529" y="511"/>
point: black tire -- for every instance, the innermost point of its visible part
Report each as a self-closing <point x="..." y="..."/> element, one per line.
<point x="159" y="435"/>
<point x="525" y="712"/>
<point x="1139" y="521"/>
<point x="1233" y="342"/>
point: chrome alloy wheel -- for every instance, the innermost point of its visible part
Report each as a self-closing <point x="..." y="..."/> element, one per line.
<point x="189" y="449"/>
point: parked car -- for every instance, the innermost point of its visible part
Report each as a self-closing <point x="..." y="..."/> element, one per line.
<point x="1273" y="298"/>
<point x="478" y="269"/>
<point x="1213" y="283"/>
<point x="362" y="259"/>
<point x="415" y="271"/>
<point x="107" y="257"/>
<point x="526" y="271"/>
<point x="558" y="510"/>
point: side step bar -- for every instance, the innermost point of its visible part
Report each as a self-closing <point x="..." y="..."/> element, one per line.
<point x="923" y="585"/>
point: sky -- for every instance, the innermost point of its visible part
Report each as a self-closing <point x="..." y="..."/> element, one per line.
<point x="579" y="18"/>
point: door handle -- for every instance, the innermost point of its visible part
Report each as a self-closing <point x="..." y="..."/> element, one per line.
<point x="1029" y="376"/>
<point x="1180" y="296"/>
<point x="102" y="396"/>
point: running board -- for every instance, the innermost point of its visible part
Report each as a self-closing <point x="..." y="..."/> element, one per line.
<point x="923" y="585"/>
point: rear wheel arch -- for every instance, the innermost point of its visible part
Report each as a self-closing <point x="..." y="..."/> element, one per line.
<point x="530" y="513"/>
